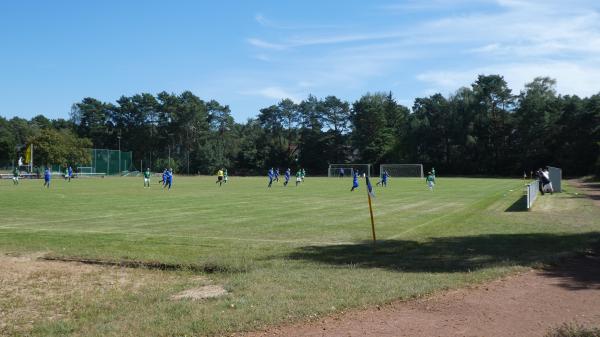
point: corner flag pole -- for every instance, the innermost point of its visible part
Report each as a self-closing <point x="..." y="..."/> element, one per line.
<point x="369" y="192"/>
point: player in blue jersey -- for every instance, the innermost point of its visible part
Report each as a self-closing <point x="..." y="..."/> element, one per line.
<point x="286" y="176"/>
<point x="168" y="178"/>
<point x="163" y="181"/>
<point x="384" y="178"/>
<point x="354" y="181"/>
<point x="271" y="175"/>
<point x="69" y="173"/>
<point x="277" y="174"/>
<point x="47" y="177"/>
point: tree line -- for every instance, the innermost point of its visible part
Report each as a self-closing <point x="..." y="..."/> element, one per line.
<point x="484" y="129"/>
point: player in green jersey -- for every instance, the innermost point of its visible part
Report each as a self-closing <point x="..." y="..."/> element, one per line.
<point x="16" y="176"/>
<point x="147" y="177"/>
<point x="430" y="179"/>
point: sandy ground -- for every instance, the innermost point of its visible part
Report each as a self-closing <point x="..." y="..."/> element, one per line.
<point x="528" y="304"/>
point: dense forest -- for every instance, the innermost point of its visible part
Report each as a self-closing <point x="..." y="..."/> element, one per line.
<point x="485" y="129"/>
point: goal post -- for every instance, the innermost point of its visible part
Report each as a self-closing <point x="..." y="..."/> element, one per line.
<point x="336" y="170"/>
<point x="402" y="170"/>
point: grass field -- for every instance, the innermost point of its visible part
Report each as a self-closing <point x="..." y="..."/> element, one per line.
<point x="283" y="254"/>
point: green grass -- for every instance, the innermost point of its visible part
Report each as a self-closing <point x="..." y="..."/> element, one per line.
<point x="285" y="254"/>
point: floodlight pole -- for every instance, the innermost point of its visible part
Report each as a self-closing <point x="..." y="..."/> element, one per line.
<point x="119" y="136"/>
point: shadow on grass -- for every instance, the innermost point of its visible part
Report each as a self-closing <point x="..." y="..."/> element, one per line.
<point x="454" y="254"/>
<point x="518" y="206"/>
<point x="578" y="273"/>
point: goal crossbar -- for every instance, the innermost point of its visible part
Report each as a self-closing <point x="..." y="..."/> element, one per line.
<point x="337" y="170"/>
<point x="402" y="170"/>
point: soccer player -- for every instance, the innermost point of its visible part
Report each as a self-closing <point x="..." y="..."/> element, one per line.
<point x="341" y="173"/>
<point x="271" y="175"/>
<point x="147" y="178"/>
<point x="298" y="177"/>
<point x="384" y="178"/>
<point x="70" y="173"/>
<point x="47" y="177"/>
<point x="430" y="179"/>
<point x="354" y="181"/>
<point x="277" y="174"/>
<point x="220" y="175"/>
<point x="287" y="175"/>
<point x="225" y="176"/>
<point x="169" y="178"/>
<point x="16" y="174"/>
<point x="546" y="180"/>
<point x="164" y="177"/>
<point x="433" y="171"/>
<point x="303" y="174"/>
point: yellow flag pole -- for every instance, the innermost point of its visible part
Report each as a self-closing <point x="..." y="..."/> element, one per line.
<point x="371" y="212"/>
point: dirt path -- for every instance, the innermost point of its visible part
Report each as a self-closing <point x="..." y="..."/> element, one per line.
<point x="529" y="304"/>
<point x="590" y="189"/>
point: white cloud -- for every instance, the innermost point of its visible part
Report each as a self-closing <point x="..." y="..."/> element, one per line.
<point x="262" y="20"/>
<point x="264" y="44"/>
<point x="274" y="92"/>
<point x="519" y="39"/>
<point x="572" y="78"/>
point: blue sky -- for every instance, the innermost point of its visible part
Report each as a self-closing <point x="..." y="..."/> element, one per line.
<point x="250" y="54"/>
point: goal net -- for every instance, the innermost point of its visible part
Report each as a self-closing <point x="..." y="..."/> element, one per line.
<point x="347" y="170"/>
<point x="87" y="172"/>
<point x="402" y="170"/>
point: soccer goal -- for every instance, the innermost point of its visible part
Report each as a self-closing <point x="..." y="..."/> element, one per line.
<point x="402" y="170"/>
<point x="88" y="172"/>
<point x="347" y="170"/>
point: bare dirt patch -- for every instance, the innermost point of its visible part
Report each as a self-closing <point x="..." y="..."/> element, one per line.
<point x="209" y="291"/>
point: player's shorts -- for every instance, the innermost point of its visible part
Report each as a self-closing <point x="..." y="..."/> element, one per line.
<point x="219" y="178"/>
<point x="146" y="180"/>
<point x="430" y="184"/>
<point x="298" y="179"/>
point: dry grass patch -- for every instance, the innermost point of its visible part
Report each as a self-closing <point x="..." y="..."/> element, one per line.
<point x="209" y="291"/>
<point x="34" y="291"/>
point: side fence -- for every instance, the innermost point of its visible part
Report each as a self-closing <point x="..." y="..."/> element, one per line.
<point x="532" y="192"/>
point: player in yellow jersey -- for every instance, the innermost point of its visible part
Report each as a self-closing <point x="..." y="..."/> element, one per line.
<point x="220" y="175"/>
